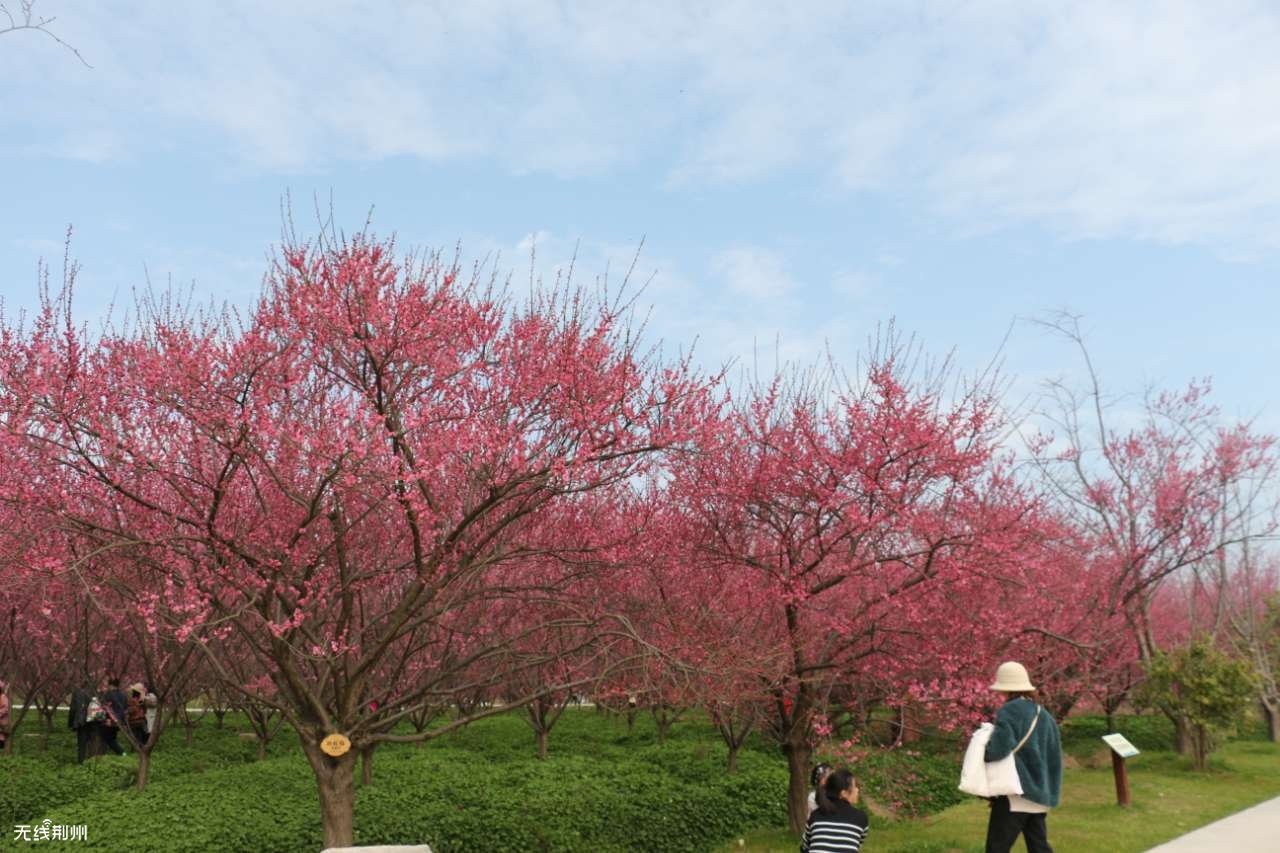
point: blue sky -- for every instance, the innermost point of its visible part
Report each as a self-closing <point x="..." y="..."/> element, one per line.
<point x="798" y="175"/>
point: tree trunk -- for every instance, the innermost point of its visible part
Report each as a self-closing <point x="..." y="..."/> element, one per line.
<point x="335" y="783"/>
<point x="262" y="748"/>
<point x="1200" y="748"/>
<point x="798" y="754"/>
<point x="1184" y="738"/>
<point x="1271" y="713"/>
<point x="664" y="718"/>
<point x="144" y="768"/>
<point x="218" y="715"/>
<point x="732" y="765"/>
<point x="544" y="740"/>
<point x="366" y="765"/>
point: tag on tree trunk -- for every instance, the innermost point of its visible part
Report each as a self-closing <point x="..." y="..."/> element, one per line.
<point x="335" y="745"/>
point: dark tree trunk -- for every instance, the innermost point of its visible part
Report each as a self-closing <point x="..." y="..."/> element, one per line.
<point x="798" y="754"/>
<point x="144" y="769"/>
<point x="664" y="718"/>
<point x="1184" y="738"/>
<point x="544" y="740"/>
<point x="335" y="783"/>
<point x="1200" y="747"/>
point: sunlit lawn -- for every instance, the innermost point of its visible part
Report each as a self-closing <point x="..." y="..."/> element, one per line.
<point x="1169" y="799"/>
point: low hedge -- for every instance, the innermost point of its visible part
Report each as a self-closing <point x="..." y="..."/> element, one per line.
<point x="911" y="783"/>
<point x="269" y="807"/>
<point x="29" y="787"/>
<point x="566" y="803"/>
<point x="1149" y="732"/>
<point x="446" y="798"/>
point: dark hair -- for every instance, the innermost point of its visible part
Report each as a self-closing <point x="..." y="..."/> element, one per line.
<point x="828" y="795"/>
<point x="819" y="773"/>
<point x="113" y="682"/>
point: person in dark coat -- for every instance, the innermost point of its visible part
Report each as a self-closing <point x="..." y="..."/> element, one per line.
<point x="87" y="741"/>
<point x="117" y="707"/>
<point x="1027" y="731"/>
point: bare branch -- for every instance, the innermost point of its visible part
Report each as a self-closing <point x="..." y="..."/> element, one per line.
<point x="27" y="19"/>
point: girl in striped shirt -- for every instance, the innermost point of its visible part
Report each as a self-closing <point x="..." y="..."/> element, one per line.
<point x="837" y="825"/>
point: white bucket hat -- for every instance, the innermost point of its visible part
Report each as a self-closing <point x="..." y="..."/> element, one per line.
<point x="1011" y="677"/>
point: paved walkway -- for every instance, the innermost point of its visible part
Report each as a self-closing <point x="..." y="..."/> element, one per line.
<point x="1254" y="830"/>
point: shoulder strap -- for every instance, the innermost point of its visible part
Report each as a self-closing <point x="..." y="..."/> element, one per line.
<point x="1029" y="731"/>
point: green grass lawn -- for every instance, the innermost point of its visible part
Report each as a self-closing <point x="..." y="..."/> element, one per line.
<point x="603" y="788"/>
<point x="1169" y="799"/>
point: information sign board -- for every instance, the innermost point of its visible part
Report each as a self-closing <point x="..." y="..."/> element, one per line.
<point x="1120" y="744"/>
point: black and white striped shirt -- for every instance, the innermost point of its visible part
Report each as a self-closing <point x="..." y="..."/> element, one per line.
<point x="839" y="832"/>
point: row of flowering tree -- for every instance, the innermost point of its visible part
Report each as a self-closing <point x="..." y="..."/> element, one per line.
<point x="395" y="487"/>
<point x="339" y="485"/>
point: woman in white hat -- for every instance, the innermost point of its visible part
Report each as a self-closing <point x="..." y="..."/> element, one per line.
<point x="1029" y="732"/>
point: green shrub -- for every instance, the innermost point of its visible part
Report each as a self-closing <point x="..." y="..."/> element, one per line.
<point x="658" y="799"/>
<point x="1148" y="732"/>
<point x="269" y="807"/>
<point x="910" y="782"/>
<point x="564" y="803"/>
<point x="31" y="787"/>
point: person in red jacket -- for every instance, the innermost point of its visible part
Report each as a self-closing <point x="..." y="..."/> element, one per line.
<point x="136" y="713"/>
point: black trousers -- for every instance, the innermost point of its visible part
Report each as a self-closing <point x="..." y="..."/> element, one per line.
<point x="85" y="737"/>
<point x="109" y="735"/>
<point x="1005" y="826"/>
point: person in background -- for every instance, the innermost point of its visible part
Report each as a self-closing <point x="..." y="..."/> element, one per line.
<point x="816" y="778"/>
<point x="117" y="707"/>
<point x="151" y="703"/>
<point x="1029" y="732"/>
<point x="837" y="825"/>
<point x="4" y="716"/>
<point x="136" y="715"/>
<point x="78" y="721"/>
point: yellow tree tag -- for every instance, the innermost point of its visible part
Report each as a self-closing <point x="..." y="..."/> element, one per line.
<point x="335" y="745"/>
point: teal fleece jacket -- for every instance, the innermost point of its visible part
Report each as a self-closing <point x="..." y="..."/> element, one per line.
<point x="1039" y="761"/>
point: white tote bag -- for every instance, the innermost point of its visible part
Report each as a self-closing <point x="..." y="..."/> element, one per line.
<point x="983" y="778"/>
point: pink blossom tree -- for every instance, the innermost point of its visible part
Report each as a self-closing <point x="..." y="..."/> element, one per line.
<point x="335" y="479"/>
<point x="857" y="518"/>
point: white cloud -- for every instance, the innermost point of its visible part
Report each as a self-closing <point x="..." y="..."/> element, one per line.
<point x="1142" y="120"/>
<point x="753" y="272"/>
<point x="856" y="284"/>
